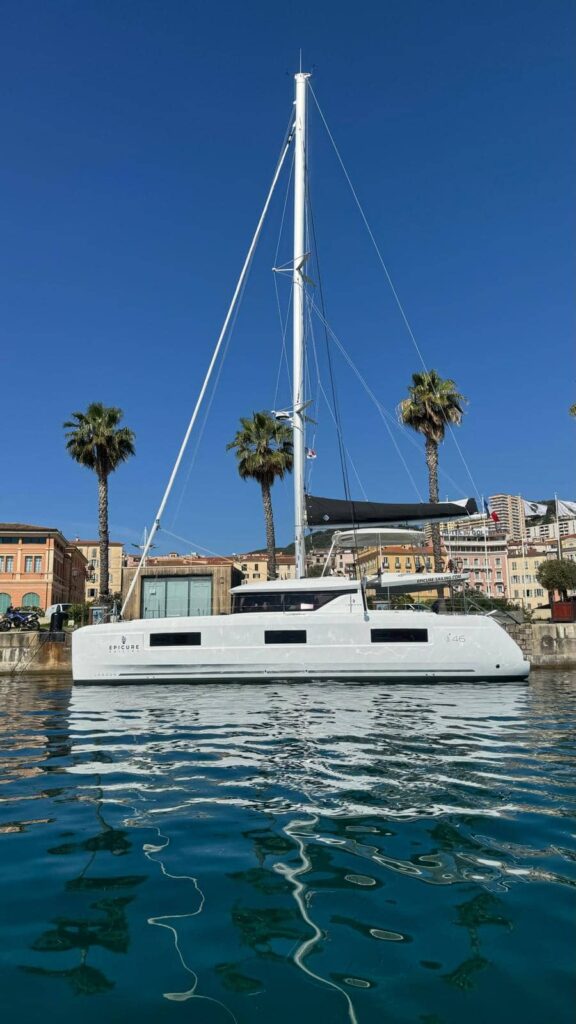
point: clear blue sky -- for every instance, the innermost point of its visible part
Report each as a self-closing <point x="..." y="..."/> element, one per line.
<point x="138" y="140"/>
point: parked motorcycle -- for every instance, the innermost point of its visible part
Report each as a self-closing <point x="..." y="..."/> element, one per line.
<point x="19" y="620"/>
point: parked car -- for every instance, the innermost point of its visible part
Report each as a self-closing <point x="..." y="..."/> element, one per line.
<point x="64" y="607"/>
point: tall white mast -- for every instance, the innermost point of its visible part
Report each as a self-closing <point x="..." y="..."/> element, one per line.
<point x="298" y="320"/>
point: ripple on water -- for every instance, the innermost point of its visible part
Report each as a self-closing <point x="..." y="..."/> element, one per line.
<point x="356" y="853"/>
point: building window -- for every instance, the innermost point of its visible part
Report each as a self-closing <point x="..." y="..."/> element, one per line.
<point x="255" y="575"/>
<point x="9" y="563"/>
<point x="1" y="563"/>
<point x="28" y="563"/>
<point x="385" y="563"/>
<point x="5" y="602"/>
<point x="498" y="574"/>
<point x="498" y="561"/>
<point x="396" y="563"/>
<point x="33" y="540"/>
<point x="8" y="540"/>
<point x="31" y="601"/>
<point x="94" y="553"/>
<point x="514" y="566"/>
<point x="244" y="567"/>
<point x="256" y="566"/>
<point x="92" y="592"/>
<point x="38" y="563"/>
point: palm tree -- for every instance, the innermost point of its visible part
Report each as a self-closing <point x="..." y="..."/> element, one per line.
<point x="95" y="440"/>
<point x="432" y="403"/>
<point x="264" y="452"/>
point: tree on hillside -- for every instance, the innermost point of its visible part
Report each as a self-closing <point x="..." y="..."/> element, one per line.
<point x="431" y="405"/>
<point x="557" y="574"/>
<point x="263" y="448"/>
<point x="95" y="440"/>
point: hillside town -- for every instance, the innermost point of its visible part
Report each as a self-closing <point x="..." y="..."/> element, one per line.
<point x="40" y="567"/>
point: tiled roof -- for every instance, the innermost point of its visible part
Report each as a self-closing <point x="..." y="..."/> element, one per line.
<point x="18" y="527"/>
<point x="95" y="543"/>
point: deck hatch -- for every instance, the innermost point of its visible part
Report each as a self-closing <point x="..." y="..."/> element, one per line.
<point x="175" y="639"/>
<point x="399" y="636"/>
<point x="285" y="636"/>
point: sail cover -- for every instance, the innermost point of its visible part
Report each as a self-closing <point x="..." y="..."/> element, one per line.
<point x="337" y="513"/>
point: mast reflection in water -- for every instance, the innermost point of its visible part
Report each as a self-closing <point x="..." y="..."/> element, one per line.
<point x="345" y="853"/>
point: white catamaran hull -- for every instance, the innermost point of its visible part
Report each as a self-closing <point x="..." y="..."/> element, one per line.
<point x="377" y="646"/>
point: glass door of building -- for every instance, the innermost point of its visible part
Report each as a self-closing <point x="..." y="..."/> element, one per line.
<point x="176" y="596"/>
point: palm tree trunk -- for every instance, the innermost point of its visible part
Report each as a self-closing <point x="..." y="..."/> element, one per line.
<point x="432" y="463"/>
<point x="103" y="588"/>
<point x="270" y="536"/>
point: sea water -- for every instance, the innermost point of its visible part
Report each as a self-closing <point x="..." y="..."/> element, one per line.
<point x="277" y="853"/>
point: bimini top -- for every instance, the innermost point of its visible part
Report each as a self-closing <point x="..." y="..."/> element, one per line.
<point x="305" y="583"/>
<point x="377" y="538"/>
<point x="332" y="513"/>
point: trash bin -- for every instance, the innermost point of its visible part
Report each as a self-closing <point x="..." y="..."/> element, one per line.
<point x="57" y="621"/>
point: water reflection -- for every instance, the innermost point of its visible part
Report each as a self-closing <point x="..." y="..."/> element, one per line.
<point x="351" y="852"/>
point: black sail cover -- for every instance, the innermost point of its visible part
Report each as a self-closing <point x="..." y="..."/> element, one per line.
<point x="338" y="513"/>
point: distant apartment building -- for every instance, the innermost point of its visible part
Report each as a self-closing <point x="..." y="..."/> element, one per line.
<point x="523" y="563"/>
<point x="550" y="531"/>
<point x="371" y="561"/>
<point x="254" y="566"/>
<point x="569" y="547"/>
<point x="179" y="585"/>
<point x="341" y="562"/>
<point x="510" y="511"/>
<point x="91" y="551"/>
<point x="38" y="567"/>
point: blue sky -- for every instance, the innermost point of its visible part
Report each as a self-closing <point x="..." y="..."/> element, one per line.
<point x="138" y="141"/>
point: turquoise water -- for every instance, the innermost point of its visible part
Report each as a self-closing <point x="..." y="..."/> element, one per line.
<point x="334" y="853"/>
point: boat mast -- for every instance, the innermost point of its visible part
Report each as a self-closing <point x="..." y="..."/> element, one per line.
<point x="298" y="320"/>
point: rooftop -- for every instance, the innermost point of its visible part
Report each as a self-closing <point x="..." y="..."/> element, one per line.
<point x="22" y="527"/>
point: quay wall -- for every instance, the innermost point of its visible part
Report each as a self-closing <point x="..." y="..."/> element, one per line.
<point x="545" y="644"/>
<point x="25" y="653"/>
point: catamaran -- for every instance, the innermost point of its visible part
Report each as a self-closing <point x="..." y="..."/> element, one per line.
<point x="307" y="628"/>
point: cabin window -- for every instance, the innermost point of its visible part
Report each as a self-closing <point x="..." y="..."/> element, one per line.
<point x="175" y="639"/>
<point x="289" y="601"/>
<point x="285" y="636"/>
<point x="399" y="636"/>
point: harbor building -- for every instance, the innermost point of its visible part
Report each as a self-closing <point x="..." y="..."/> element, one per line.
<point x="177" y="585"/>
<point x="254" y="566"/>
<point x="91" y="551"/>
<point x="483" y="554"/>
<point x="523" y="562"/>
<point x="39" y="567"/>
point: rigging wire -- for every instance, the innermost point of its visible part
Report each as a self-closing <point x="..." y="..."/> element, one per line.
<point x="385" y="414"/>
<point x="322" y="391"/>
<point x="283" y="323"/>
<point x="371" y="394"/>
<point x="390" y="282"/>
<point x="243" y="273"/>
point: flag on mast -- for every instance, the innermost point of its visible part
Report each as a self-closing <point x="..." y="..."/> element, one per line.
<point x="565" y="509"/>
<point x="490" y="513"/>
<point x="534" y="508"/>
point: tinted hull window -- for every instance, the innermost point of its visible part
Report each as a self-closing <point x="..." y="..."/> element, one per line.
<point x="285" y="636"/>
<point x="175" y="639"/>
<point x="399" y="636"/>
